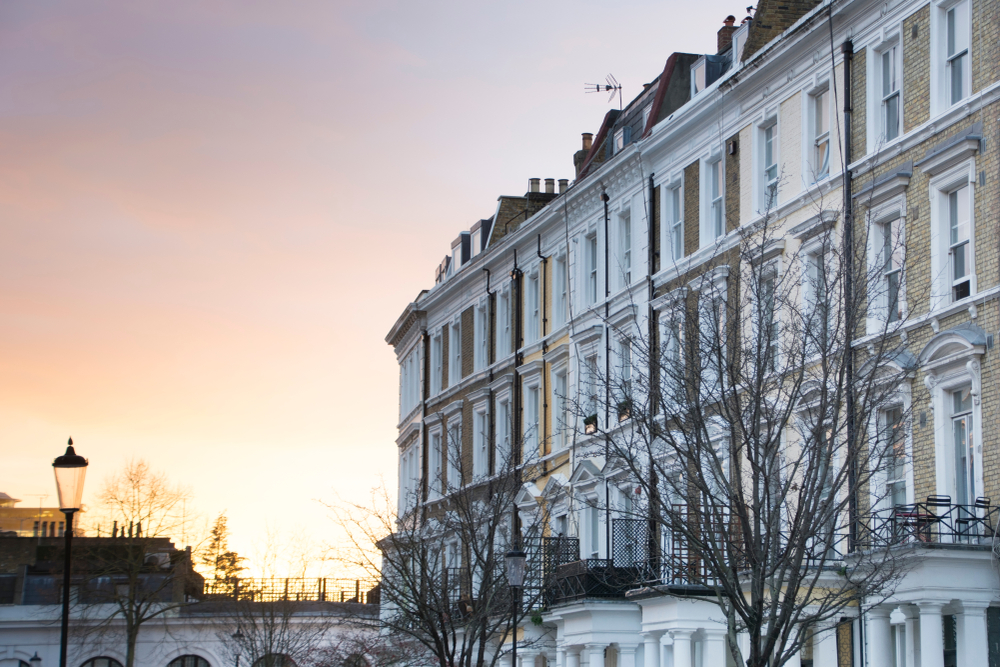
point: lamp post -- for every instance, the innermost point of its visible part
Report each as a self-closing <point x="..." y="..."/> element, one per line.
<point x="70" y="470"/>
<point x="515" y="579"/>
<point x="238" y="636"/>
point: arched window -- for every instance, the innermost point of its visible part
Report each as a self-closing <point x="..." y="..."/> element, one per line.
<point x="355" y="660"/>
<point x="189" y="661"/>
<point x="102" y="662"/>
<point x="275" y="660"/>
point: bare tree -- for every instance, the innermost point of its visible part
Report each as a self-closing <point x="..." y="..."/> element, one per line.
<point x="439" y="553"/>
<point x="137" y="575"/>
<point x="271" y="621"/>
<point x="758" y="435"/>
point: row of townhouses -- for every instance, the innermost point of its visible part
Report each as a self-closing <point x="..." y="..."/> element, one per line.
<point x="826" y="175"/>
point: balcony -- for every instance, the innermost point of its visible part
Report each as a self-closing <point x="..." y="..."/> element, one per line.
<point x="937" y="522"/>
<point x="293" y="589"/>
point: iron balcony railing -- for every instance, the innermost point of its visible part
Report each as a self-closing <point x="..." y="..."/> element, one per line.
<point x="361" y="591"/>
<point x="937" y="521"/>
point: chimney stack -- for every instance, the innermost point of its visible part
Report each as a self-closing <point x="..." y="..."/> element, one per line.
<point x="550" y="186"/>
<point x="726" y="33"/>
<point x="563" y="185"/>
<point x="533" y="184"/>
<point x="588" y="141"/>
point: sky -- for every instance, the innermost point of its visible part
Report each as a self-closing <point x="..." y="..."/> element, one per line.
<point x="212" y="212"/>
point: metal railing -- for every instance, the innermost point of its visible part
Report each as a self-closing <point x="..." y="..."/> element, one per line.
<point x="361" y="591"/>
<point x="937" y="521"/>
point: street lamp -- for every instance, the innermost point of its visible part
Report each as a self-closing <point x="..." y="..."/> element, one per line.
<point x="35" y="660"/>
<point x="238" y="636"/>
<point x="515" y="579"/>
<point x="70" y="469"/>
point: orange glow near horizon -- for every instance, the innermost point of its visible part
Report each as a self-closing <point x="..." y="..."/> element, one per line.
<point x="212" y="213"/>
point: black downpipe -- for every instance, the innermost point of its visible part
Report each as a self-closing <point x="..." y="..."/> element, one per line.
<point x="850" y="322"/>
<point x="848" y="50"/>
<point x="607" y="374"/>
<point x="544" y="390"/>
<point x="517" y="276"/>
<point x="490" y="358"/>
<point x="653" y="351"/>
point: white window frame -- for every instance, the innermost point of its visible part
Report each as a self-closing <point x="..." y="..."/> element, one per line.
<point x="815" y="271"/>
<point x="532" y="437"/>
<point x="942" y="63"/>
<point x="672" y="222"/>
<point x="942" y="388"/>
<point x="891" y="213"/>
<point x="532" y="306"/>
<point x="819" y="101"/>
<point x="672" y="322"/>
<point x="591" y="268"/>
<point x="940" y="189"/>
<point x="699" y="76"/>
<point x="481" y="337"/>
<point x="455" y="352"/>
<point x="454" y="452"/>
<point x="767" y="175"/>
<point x="560" y="408"/>
<point x="713" y="199"/>
<point x="713" y="295"/>
<point x="878" y="99"/>
<point x="623" y="256"/>
<point x="502" y="423"/>
<point x="480" y="440"/>
<point x="437" y="361"/>
<point x="503" y="324"/>
<point x="435" y="467"/>
<point x="560" y="291"/>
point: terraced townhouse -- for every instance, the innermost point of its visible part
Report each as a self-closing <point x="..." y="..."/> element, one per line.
<point x="542" y="314"/>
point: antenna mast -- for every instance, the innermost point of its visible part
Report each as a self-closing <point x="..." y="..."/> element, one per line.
<point x="610" y="85"/>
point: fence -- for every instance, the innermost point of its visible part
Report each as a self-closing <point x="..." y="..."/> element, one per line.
<point x="361" y="591"/>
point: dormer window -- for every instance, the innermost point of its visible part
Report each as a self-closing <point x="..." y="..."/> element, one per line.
<point x="699" y="76"/>
<point x="623" y="137"/>
<point x="739" y="41"/>
<point x="476" y="240"/>
<point x="456" y="259"/>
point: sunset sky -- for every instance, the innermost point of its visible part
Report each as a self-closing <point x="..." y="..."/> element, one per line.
<point x="212" y="212"/>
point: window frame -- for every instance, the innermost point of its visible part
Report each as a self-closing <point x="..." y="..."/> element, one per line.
<point x="672" y="221"/>
<point x="560" y="291"/>
<point x="481" y="334"/>
<point x="943" y="60"/>
<point x="767" y="185"/>
<point x="819" y="102"/>
<point x="940" y="189"/>
<point x="455" y="352"/>
<point x="713" y="200"/>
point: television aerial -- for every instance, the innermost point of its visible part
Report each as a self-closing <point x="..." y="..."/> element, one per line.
<point x="610" y="85"/>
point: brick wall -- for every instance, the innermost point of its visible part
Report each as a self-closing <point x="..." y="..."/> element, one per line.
<point x="916" y="69"/>
<point x="771" y="19"/>
<point x="692" y="208"/>
<point x="468" y="341"/>
<point x="859" y="104"/>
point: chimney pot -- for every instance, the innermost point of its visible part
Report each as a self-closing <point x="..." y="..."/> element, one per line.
<point x="550" y="186"/>
<point x="563" y="185"/>
<point x="725" y="38"/>
<point x="730" y="20"/>
<point x="588" y="140"/>
<point x="533" y="184"/>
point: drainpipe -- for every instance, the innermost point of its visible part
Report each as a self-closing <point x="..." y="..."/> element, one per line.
<point x="517" y="277"/>
<point x="654" y="542"/>
<point x="490" y="358"/>
<point x="607" y="375"/>
<point x="544" y="392"/>
<point x="850" y="321"/>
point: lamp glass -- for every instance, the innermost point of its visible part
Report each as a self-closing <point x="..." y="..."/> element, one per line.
<point x="70" y="470"/>
<point x="516" y="564"/>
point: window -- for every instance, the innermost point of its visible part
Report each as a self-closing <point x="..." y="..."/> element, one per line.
<point x="699" y="74"/>
<point x="895" y="456"/>
<point x="481" y="352"/>
<point x="892" y="268"/>
<point x="102" y="662"/>
<point x="594" y="530"/>
<point x="189" y="661"/>
<point x="590" y="250"/>
<point x="672" y="368"/>
<point x="561" y="306"/>
<point x="625" y="248"/>
<point x="503" y="452"/>
<point x="560" y="401"/>
<point x="959" y="235"/>
<point x="889" y="75"/>
<point x="817" y="305"/>
<point x="821" y="135"/>
<point x="769" y="167"/>
<point x="716" y="213"/>
<point x="480" y="443"/>
<point x="965" y="458"/>
<point x="624" y="380"/>
<point x="503" y="325"/>
<point x="531" y="423"/>
<point x="456" y="259"/>
<point x="957" y="52"/>
<point x="436" y="468"/>
<point x="437" y="356"/>
<point x="454" y="453"/>
<point x="476" y="242"/>
<point x="768" y="323"/>
<point x="593" y="376"/>
<point x="455" y="353"/>
<point x="533" y="326"/>
<point x="673" y="232"/>
<point x="623" y="137"/>
<point x="409" y="383"/>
